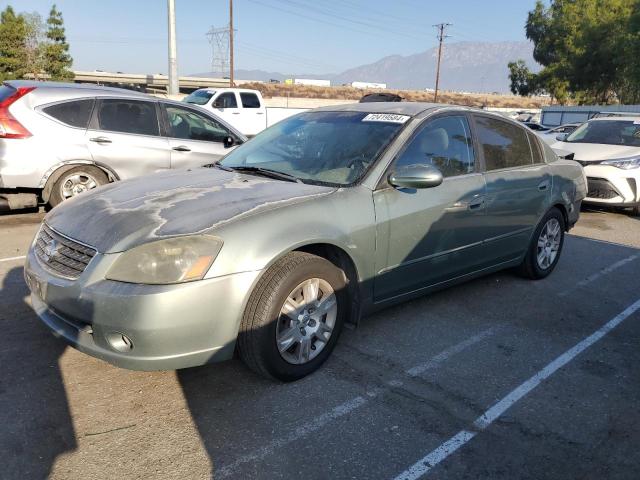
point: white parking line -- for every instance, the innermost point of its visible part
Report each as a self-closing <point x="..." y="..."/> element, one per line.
<point x="592" y="278"/>
<point x="422" y="466"/>
<point x="348" y="406"/>
<point x="12" y="259"/>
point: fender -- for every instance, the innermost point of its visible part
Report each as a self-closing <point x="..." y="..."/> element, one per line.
<point x="55" y="172"/>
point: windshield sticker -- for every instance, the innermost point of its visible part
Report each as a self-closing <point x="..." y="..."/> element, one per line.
<point x="386" y="117"/>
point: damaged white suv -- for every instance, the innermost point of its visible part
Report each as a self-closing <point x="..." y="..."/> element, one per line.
<point x="609" y="150"/>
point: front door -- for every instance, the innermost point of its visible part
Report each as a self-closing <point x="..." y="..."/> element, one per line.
<point x="428" y="236"/>
<point x="518" y="186"/>
<point x="225" y="106"/>
<point x="195" y="139"/>
<point x="125" y="135"/>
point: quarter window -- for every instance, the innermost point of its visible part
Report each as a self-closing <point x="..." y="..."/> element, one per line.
<point x="190" y="125"/>
<point x="249" y="100"/>
<point x="128" y="116"/>
<point x="535" y="148"/>
<point x="444" y="143"/>
<point x="75" y="113"/>
<point x="504" y="145"/>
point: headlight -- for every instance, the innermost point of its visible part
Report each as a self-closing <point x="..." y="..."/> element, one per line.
<point x="174" y="260"/>
<point x="624" y="163"/>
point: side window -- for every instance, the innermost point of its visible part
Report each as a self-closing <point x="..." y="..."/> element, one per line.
<point x="128" y="116"/>
<point x="190" y="125"/>
<point x="444" y="143"/>
<point x="504" y="145"/>
<point x="538" y="157"/>
<point x="75" y="113"/>
<point x="226" y="100"/>
<point x="249" y="100"/>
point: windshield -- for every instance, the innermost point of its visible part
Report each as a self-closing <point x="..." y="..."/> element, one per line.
<point x="335" y="148"/>
<point x="200" y="97"/>
<point x="609" y="132"/>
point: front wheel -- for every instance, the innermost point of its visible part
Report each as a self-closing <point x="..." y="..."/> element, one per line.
<point x="294" y="317"/>
<point x="546" y="245"/>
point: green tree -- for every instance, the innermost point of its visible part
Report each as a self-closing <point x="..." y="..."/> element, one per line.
<point x="56" y="50"/>
<point x="523" y="82"/>
<point x="585" y="47"/>
<point x="13" y="45"/>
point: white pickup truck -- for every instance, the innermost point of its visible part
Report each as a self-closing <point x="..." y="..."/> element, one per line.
<point x="242" y="108"/>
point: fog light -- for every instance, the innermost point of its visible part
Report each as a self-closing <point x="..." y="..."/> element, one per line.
<point x="120" y="342"/>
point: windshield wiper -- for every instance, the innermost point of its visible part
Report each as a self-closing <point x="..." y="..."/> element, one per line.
<point x="267" y="172"/>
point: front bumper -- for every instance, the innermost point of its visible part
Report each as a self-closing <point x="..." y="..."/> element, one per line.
<point x="169" y="326"/>
<point x="612" y="186"/>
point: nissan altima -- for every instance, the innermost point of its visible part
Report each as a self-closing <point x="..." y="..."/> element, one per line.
<point x="317" y="221"/>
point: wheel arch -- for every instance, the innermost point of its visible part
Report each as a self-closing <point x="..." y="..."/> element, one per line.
<point x="54" y="173"/>
<point x="565" y="214"/>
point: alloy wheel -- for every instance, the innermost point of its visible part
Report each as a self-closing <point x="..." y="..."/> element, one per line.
<point x="549" y="243"/>
<point x="306" y="322"/>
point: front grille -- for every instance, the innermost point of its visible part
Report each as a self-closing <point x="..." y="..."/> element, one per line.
<point x="601" y="188"/>
<point x="61" y="255"/>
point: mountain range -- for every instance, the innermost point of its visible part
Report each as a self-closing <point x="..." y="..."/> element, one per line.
<point x="466" y="66"/>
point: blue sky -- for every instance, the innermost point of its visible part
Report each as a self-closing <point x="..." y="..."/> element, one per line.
<point x="286" y="36"/>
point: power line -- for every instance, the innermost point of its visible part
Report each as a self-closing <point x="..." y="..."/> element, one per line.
<point x="441" y="36"/>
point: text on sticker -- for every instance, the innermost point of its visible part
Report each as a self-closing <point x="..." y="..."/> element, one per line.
<point x="386" y="117"/>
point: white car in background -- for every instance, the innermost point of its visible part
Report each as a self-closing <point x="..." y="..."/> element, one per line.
<point x="609" y="150"/>
<point x="242" y="108"/>
<point x="551" y="136"/>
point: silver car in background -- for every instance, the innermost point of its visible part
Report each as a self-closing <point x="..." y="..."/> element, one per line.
<point x="60" y="139"/>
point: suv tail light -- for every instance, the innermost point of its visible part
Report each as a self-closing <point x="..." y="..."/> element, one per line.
<point x="9" y="126"/>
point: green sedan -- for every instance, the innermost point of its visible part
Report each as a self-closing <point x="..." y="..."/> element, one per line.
<point x="317" y="221"/>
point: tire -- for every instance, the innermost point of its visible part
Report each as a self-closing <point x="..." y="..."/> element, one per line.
<point x="87" y="178"/>
<point x="264" y="327"/>
<point x="531" y="266"/>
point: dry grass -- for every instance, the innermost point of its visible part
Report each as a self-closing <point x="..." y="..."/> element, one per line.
<point x="270" y="90"/>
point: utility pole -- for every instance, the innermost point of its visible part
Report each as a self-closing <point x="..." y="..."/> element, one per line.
<point x="173" y="87"/>
<point x="441" y="36"/>
<point x="231" y="43"/>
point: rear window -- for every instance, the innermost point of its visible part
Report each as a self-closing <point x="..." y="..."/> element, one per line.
<point x="504" y="145"/>
<point x="75" y="113"/>
<point x="6" y="91"/>
<point x="199" y="97"/>
<point x="249" y="100"/>
<point x="538" y="156"/>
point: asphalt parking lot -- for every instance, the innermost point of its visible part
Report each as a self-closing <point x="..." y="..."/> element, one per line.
<point x="498" y="378"/>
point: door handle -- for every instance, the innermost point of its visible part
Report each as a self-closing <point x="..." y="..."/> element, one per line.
<point x="181" y="148"/>
<point x="235" y="113"/>
<point x="476" y="204"/>
<point x="543" y="186"/>
<point x="259" y="113"/>
<point x="100" y="140"/>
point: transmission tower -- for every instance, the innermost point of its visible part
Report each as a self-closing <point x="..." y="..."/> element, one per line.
<point x="219" y="40"/>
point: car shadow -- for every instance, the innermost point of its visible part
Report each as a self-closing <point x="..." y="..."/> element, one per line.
<point x="35" y="419"/>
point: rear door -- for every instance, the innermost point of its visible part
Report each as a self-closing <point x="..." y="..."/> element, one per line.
<point x="124" y="134"/>
<point x="195" y="139"/>
<point x="252" y="118"/>
<point x="428" y="236"/>
<point x="518" y="185"/>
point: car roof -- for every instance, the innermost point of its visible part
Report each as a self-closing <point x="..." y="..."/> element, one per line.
<point x="617" y="118"/>
<point x="74" y="86"/>
<point x="399" y="108"/>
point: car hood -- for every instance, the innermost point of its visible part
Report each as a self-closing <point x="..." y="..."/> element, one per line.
<point x="596" y="151"/>
<point x="124" y="214"/>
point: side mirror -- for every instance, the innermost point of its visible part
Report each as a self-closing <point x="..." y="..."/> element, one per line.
<point x="562" y="137"/>
<point x="228" y="141"/>
<point x="416" y="176"/>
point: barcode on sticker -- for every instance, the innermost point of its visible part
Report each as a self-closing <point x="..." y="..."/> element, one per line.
<point x="386" y="117"/>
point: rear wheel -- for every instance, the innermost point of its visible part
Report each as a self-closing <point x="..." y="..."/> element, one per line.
<point x="294" y="317"/>
<point x="545" y="248"/>
<point x="75" y="181"/>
